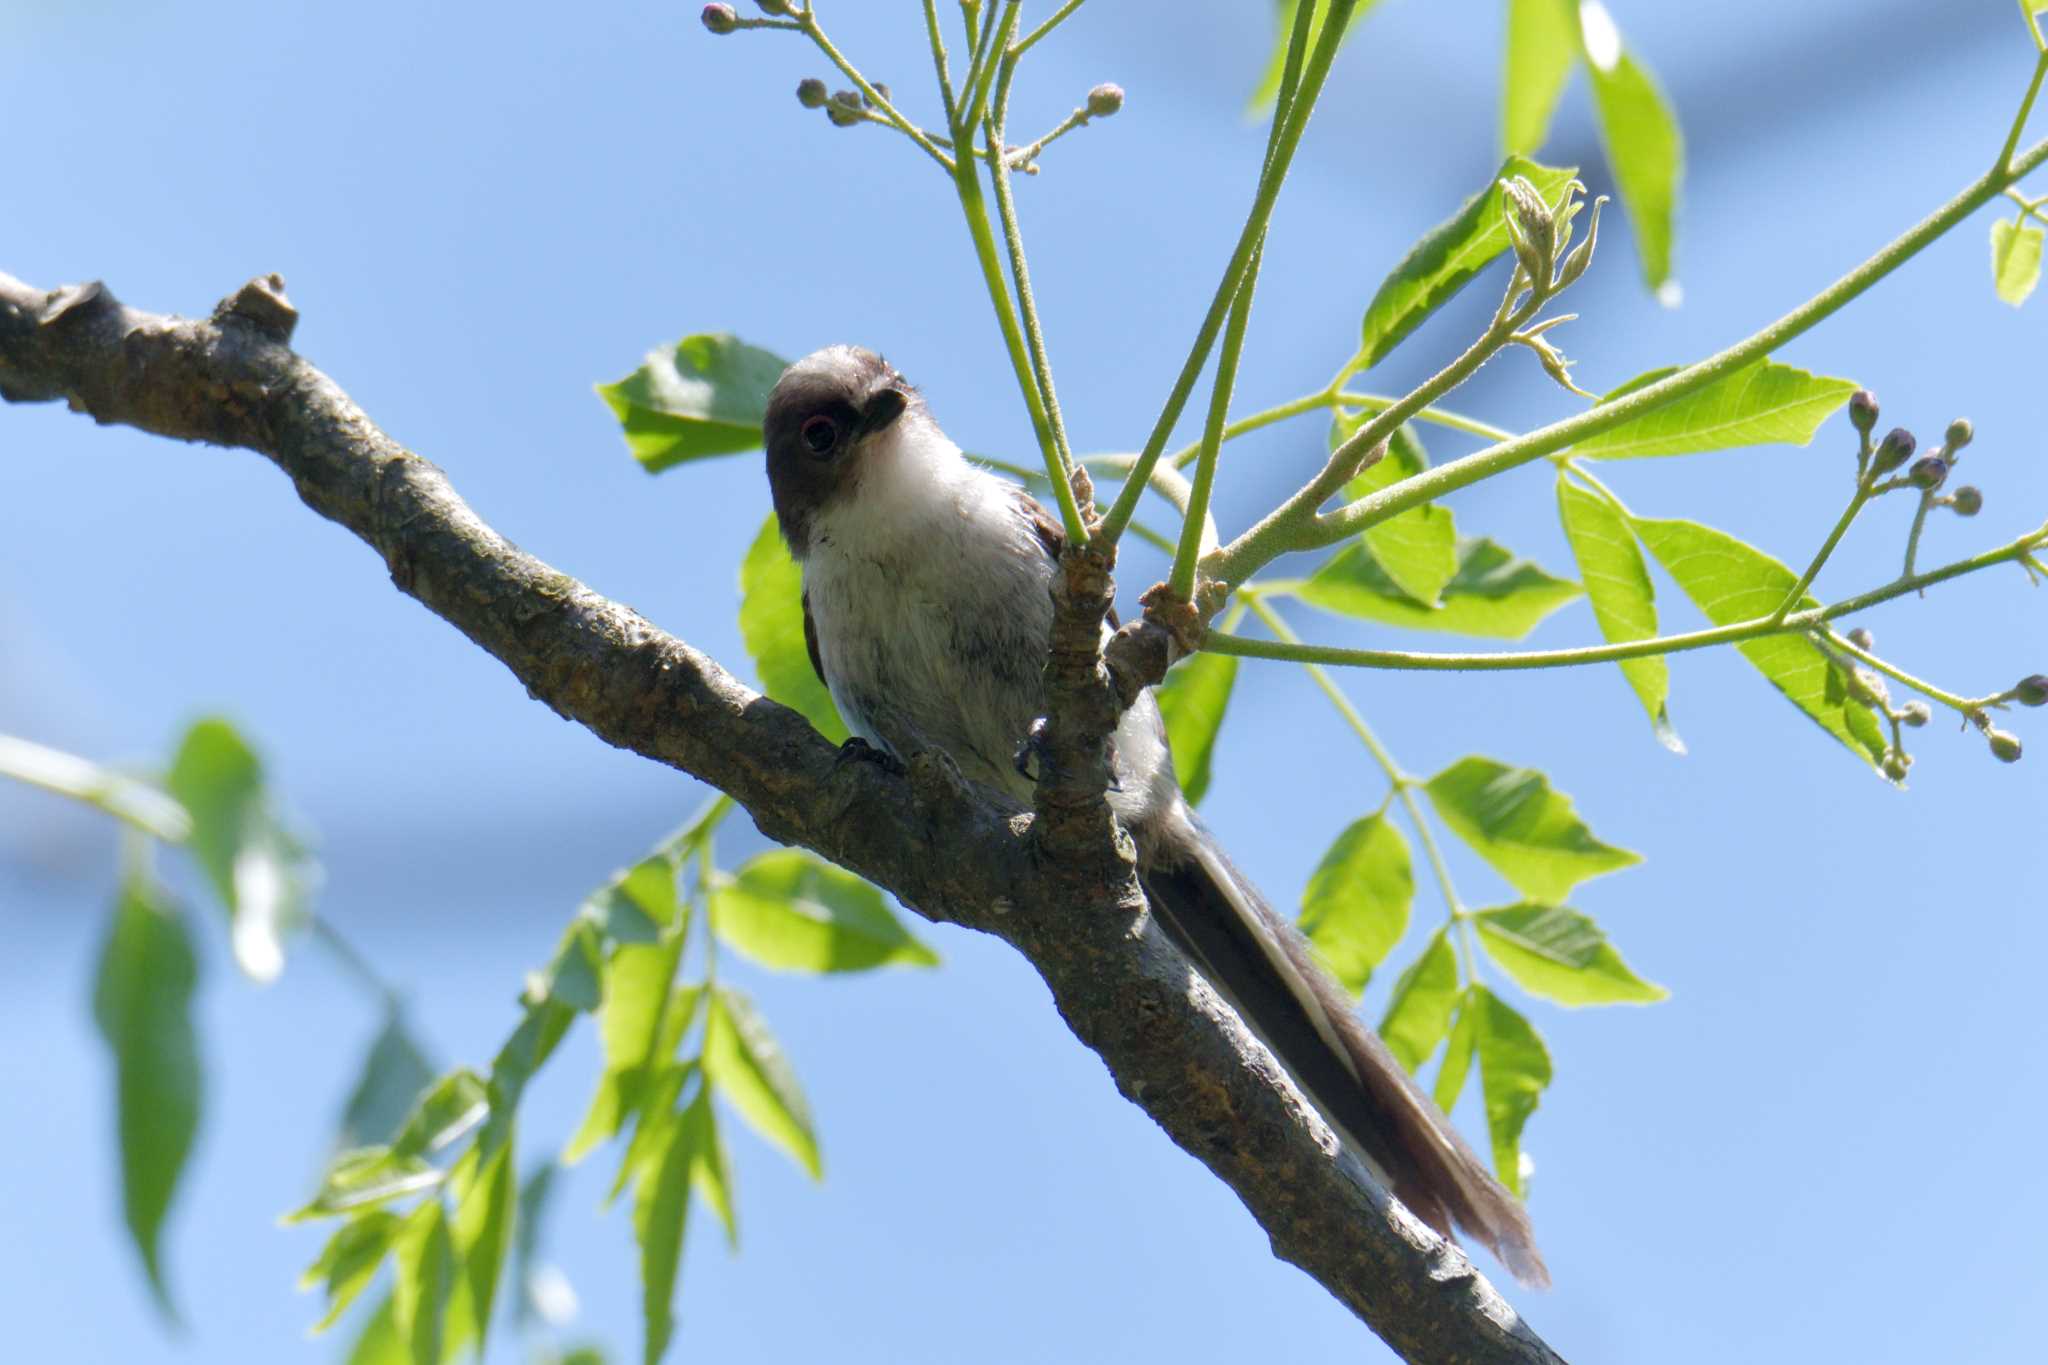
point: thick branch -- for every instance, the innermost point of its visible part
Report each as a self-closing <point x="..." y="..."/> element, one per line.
<point x="1170" y="1045"/>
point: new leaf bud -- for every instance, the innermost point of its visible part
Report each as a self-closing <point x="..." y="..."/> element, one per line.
<point x="1967" y="501"/>
<point x="1862" y="638"/>
<point x="1532" y="228"/>
<point x="1960" y="433"/>
<point x="1863" y="410"/>
<point x="773" y="6"/>
<point x="1894" y="450"/>
<point x="2032" y="691"/>
<point x="880" y="89"/>
<point x="1895" y="764"/>
<point x="2004" y="747"/>
<point x="1928" y="472"/>
<point x="1104" y="100"/>
<point x="720" y="18"/>
<point x="811" y="93"/>
<point x="1915" y="714"/>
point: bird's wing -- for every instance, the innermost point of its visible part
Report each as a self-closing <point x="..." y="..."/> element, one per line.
<point x="811" y="643"/>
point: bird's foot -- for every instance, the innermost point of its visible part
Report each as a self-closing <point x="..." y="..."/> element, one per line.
<point x="1032" y="751"/>
<point x="858" y="750"/>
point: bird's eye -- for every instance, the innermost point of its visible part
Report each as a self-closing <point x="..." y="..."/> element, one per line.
<point x="820" y="435"/>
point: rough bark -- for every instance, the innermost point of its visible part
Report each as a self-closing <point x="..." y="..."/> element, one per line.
<point x="1172" y="1047"/>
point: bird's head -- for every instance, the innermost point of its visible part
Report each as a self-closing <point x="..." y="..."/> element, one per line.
<point x="827" y="417"/>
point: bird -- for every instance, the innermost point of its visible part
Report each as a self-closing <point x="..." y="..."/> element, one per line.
<point x="927" y="615"/>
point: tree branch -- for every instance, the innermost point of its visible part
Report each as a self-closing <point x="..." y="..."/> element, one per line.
<point x="1170" y="1044"/>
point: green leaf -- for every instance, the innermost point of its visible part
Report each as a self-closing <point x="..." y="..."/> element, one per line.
<point x="394" y="1076"/>
<point x="789" y="910"/>
<point x="772" y="624"/>
<point x="527" y="1050"/>
<point x="1731" y="582"/>
<point x="349" y="1261"/>
<point x="142" y="1002"/>
<point x="1457" y="1062"/>
<point x="1419" y="1014"/>
<point x="1356" y="906"/>
<point x="661" y="1204"/>
<point x="1524" y="830"/>
<point x="639" y="1013"/>
<point x="1514" y="1067"/>
<point x="379" y="1342"/>
<point x="1448" y="257"/>
<point x="657" y="1114"/>
<point x="704" y="397"/>
<point x="710" y="1172"/>
<point x="1417" y="549"/>
<point x="449" y="1111"/>
<point x="1561" y="956"/>
<point x="2015" y="259"/>
<point x="745" y="1062"/>
<point x="1763" y="403"/>
<point x="260" y="871"/>
<point x="1617" y="584"/>
<point x="1276" y="65"/>
<point x="1494" y="594"/>
<point x="1643" y="146"/>
<point x="125" y="798"/>
<point x="536" y="1197"/>
<point x="575" y="978"/>
<point x="486" y="1218"/>
<point x="365" y="1178"/>
<point x="1192" y="700"/>
<point x="637" y="904"/>
<point x="424" y="1262"/>
<point x="1541" y="44"/>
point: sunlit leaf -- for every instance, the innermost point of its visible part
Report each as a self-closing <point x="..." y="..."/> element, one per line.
<point x="788" y="909"/>
<point x="1276" y="65"/>
<point x="1541" y="45"/>
<point x="379" y="1343"/>
<point x="1637" y="128"/>
<point x="1731" y="582"/>
<point x="746" y="1064"/>
<point x="349" y="1261"/>
<point x="1493" y="595"/>
<point x="1763" y="403"/>
<point x="710" y="1172"/>
<point x="486" y="1218"/>
<point x="638" y="1014"/>
<point x="1418" y="549"/>
<point x="705" y="396"/>
<point x="1457" y="1062"/>
<point x="2015" y="259"/>
<point x="423" y="1262"/>
<point x="772" y="624"/>
<point x="1192" y="700"/>
<point x="449" y="1111"/>
<point x="1527" y="832"/>
<point x="1562" y="956"/>
<point x="394" y="1075"/>
<point x="261" y="872"/>
<point x="576" y="977"/>
<point x="1356" y="906"/>
<point x="1624" y="602"/>
<point x="365" y="1178"/>
<point x="637" y="904"/>
<point x="142" y="1002"/>
<point x="1514" y="1068"/>
<point x="1448" y="257"/>
<point x="661" y="1205"/>
<point x="1419" y="1012"/>
<point x="527" y="1050"/>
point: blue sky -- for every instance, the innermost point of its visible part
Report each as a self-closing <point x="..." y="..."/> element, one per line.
<point x="1819" y="1148"/>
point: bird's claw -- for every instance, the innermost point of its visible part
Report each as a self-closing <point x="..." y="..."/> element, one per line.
<point x="858" y="750"/>
<point x="1034" y="747"/>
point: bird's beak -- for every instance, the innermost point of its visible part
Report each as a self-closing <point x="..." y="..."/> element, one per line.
<point x="883" y="408"/>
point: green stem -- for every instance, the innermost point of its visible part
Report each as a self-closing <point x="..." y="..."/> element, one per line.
<point x="1471" y="426"/>
<point x="1827" y="547"/>
<point x="1038" y="476"/>
<point x="938" y="42"/>
<point x="1030" y="40"/>
<point x="1919" y="525"/>
<point x="1288" y="127"/>
<point x="1333" y="398"/>
<point x="136" y="803"/>
<point x="809" y="24"/>
<point x="1181" y="581"/>
<point x="1237" y="561"/>
<point x="1968" y="706"/>
<point x="982" y="74"/>
<point x="1735" y="632"/>
<point x="2019" y="120"/>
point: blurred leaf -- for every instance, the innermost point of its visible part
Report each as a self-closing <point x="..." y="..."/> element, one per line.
<point x="1524" y="830"/>
<point x="657" y="1113"/>
<point x="1418" y="549"/>
<point x="1356" y="906"/>
<point x="394" y="1075"/>
<point x="1192" y="701"/>
<point x="536" y="1197"/>
<point x="125" y="798"/>
<point x="1644" y="149"/>
<point x="142" y="1002"/>
<point x="710" y="1172"/>
<point x="705" y="397"/>
<point x="1560" y="955"/>
<point x="637" y="904"/>
<point x="1448" y="257"/>
<point x="586" y="1354"/>
<point x="1541" y="43"/>
<point x="1514" y="1068"/>
<point x="1419" y="1014"/>
<point x="1494" y="594"/>
<point x="486" y="1217"/>
<point x="2015" y="259"/>
<point x="790" y="910"/>
<point x="424" y="1274"/>
<point x="259" y="870"/>
<point x="365" y="1178"/>
<point x="1617" y="584"/>
<point x="449" y="1111"/>
<point x="349" y="1261"/>
<point x="661" y="1204"/>
<point x="1763" y="403"/>
<point x="575" y="978"/>
<point x="1730" y="582"/>
<point x="379" y="1342"/>
<point x="772" y="624"/>
<point x="1457" y="1063"/>
<point x="639" y="1015"/>
<point x="526" y="1051"/>
<point x="1276" y="65"/>
<point x="747" y="1065"/>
